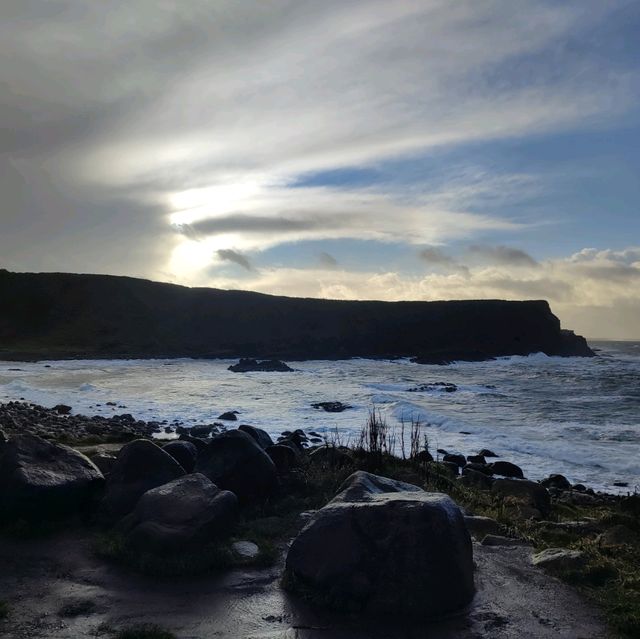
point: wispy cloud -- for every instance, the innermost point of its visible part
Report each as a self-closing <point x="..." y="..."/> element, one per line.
<point x="229" y="255"/>
<point x="502" y="255"/>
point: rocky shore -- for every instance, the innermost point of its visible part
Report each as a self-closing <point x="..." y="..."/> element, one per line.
<point x="332" y="535"/>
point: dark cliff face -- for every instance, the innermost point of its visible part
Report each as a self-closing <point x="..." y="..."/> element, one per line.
<point x="65" y="315"/>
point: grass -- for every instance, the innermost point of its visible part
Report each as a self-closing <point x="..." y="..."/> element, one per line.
<point x="5" y="610"/>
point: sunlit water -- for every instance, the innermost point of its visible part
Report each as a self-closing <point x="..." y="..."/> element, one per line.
<point x="579" y="417"/>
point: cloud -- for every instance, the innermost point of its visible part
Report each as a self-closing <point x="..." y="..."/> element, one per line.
<point x="229" y="255"/>
<point x="581" y="297"/>
<point x="435" y="256"/>
<point x="327" y="261"/>
<point x="502" y="255"/>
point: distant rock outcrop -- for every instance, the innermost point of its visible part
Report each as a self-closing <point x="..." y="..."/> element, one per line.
<point x="267" y="366"/>
<point x="57" y="315"/>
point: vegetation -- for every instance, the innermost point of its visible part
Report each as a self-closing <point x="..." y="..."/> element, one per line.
<point x="5" y="609"/>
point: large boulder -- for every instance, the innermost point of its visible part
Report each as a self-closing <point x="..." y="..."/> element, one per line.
<point x="236" y="462"/>
<point x="387" y="547"/>
<point x="42" y="480"/>
<point x="184" y="452"/>
<point x="185" y="512"/>
<point x="139" y="467"/>
<point x="506" y="469"/>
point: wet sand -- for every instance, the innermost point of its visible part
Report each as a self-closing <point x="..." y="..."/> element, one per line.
<point x="38" y="578"/>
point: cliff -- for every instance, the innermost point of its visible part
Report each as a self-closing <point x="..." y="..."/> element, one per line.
<point x="59" y="315"/>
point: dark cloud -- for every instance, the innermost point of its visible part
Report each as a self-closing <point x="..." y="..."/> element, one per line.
<point x="434" y="256"/>
<point x="327" y="260"/>
<point x="229" y="255"/>
<point x="237" y="223"/>
<point x="502" y="255"/>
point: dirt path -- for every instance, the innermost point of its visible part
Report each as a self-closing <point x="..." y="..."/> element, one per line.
<point x="40" y="578"/>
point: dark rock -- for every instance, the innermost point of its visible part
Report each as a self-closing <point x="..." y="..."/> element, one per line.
<point x="459" y="460"/>
<point x="104" y="462"/>
<point x="246" y="365"/>
<point x="444" y="387"/>
<point x="619" y="535"/>
<point x="485" y="469"/>
<point x="62" y="409"/>
<point x="445" y="468"/>
<point x="473" y="479"/>
<point x="230" y="416"/>
<point x="262" y="437"/>
<point x="621" y="484"/>
<point x="558" y="560"/>
<point x="204" y="430"/>
<point x="187" y="511"/>
<point x="485" y="452"/>
<point x="423" y="457"/>
<point x="559" y="482"/>
<point x="506" y="469"/>
<point x="476" y="459"/>
<point x="185" y="453"/>
<point x="580" y="488"/>
<point x="235" y="461"/>
<point x="42" y="480"/>
<point x="385" y="547"/>
<point x="525" y="492"/>
<point x="283" y="457"/>
<point x="331" y="407"/>
<point x="140" y="466"/>
<point x="200" y="444"/>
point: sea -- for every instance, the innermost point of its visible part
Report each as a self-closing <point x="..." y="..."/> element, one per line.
<point x="575" y="416"/>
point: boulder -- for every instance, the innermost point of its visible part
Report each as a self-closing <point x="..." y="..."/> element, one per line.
<point x="331" y="407"/>
<point x="236" y="462"/>
<point x="385" y="547"/>
<point x="200" y="444"/>
<point x="423" y="457"/>
<point x="476" y="459"/>
<point x="523" y="491"/>
<point x="139" y="467"/>
<point x="557" y="560"/>
<point x="104" y="461"/>
<point x="247" y="365"/>
<point x="485" y="452"/>
<point x="229" y="416"/>
<point x="261" y="436"/>
<point x="62" y="409"/>
<point x="474" y="479"/>
<point x="284" y="457"/>
<point x="485" y="469"/>
<point x="560" y="482"/>
<point x="506" y="469"/>
<point x="245" y="549"/>
<point x="187" y="511"/>
<point x="185" y="453"/>
<point x="459" y="460"/>
<point x="42" y="480"/>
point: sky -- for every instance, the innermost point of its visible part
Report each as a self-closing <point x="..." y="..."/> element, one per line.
<point x="414" y="149"/>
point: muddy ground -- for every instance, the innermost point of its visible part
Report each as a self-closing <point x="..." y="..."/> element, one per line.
<point x="58" y="589"/>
